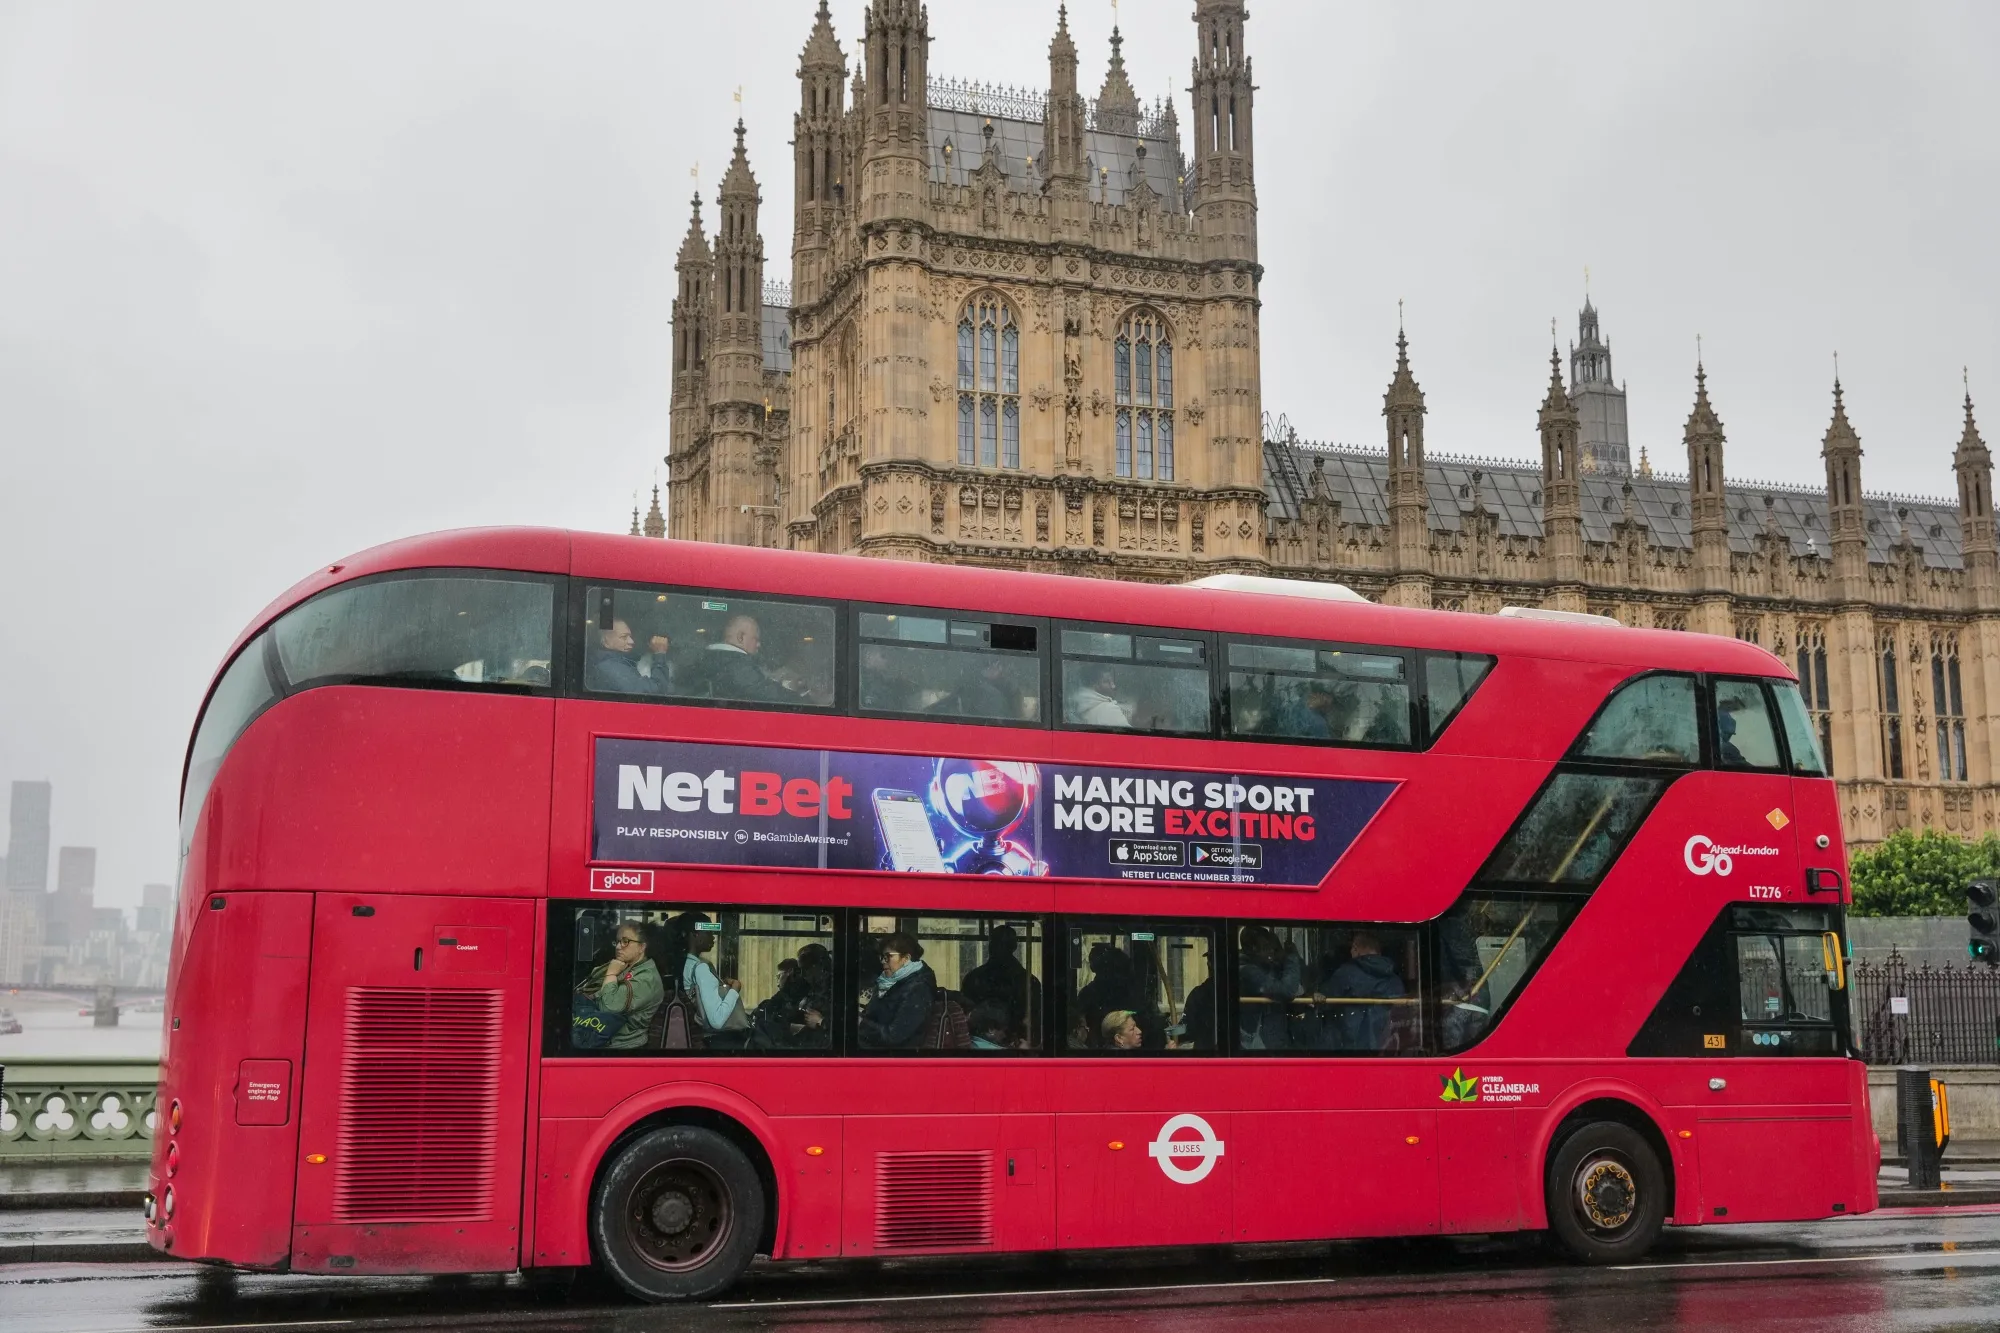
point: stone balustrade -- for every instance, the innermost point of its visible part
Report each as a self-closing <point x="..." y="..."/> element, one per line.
<point x="61" y="1109"/>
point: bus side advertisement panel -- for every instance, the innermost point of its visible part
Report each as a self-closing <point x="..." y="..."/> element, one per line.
<point x="679" y="803"/>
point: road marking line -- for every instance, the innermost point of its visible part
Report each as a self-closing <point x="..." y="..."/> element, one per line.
<point x="1050" y="1291"/>
<point x="1818" y="1259"/>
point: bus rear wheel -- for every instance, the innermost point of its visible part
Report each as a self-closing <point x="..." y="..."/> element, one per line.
<point x="1607" y="1194"/>
<point x="676" y="1215"/>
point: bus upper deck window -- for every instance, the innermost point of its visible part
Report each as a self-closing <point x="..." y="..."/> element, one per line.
<point x="1135" y="682"/>
<point x="949" y="665"/>
<point x="708" y="645"/>
<point x="1745" y="735"/>
<point x="1800" y="737"/>
<point x="449" y="630"/>
<point x="1648" y="720"/>
<point x="1449" y="680"/>
<point x="1286" y="692"/>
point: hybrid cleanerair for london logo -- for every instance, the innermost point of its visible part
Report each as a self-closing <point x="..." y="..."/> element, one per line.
<point x="677" y="803"/>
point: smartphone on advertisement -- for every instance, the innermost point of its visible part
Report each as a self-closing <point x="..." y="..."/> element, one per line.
<point x="905" y="827"/>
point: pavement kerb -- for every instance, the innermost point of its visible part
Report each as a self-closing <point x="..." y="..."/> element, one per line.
<point x="80" y="1252"/>
<point x="120" y="1199"/>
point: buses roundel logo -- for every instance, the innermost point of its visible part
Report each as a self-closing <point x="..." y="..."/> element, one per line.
<point x="1703" y="859"/>
<point x="1185" y="1161"/>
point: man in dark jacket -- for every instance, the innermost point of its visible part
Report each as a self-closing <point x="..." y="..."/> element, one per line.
<point x="895" y="1014"/>
<point x="612" y="669"/>
<point x="732" y="669"/>
<point x="1366" y="975"/>
<point x="1002" y="980"/>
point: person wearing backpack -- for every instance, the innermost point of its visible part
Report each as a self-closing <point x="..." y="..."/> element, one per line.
<point x="628" y="984"/>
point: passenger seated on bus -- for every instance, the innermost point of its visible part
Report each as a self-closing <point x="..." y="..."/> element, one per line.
<point x="1002" y="981"/>
<point x="612" y="669"/>
<point x="1303" y="712"/>
<point x="794" y="1017"/>
<point x="895" y="1014"/>
<point x="985" y="689"/>
<point x="1367" y="974"/>
<point x="1111" y="986"/>
<point x="1119" y="1031"/>
<point x="1465" y="1004"/>
<point x="731" y="669"/>
<point x="1268" y="979"/>
<point x="885" y="686"/>
<point x="1725" y="736"/>
<point x="1149" y="994"/>
<point x="992" y="1029"/>
<point x="1095" y="702"/>
<point x="629" y="984"/>
<point x="718" y="1004"/>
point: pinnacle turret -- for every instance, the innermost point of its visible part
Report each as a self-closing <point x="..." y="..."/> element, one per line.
<point x="1117" y="103"/>
<point x="822" y="50"/>
<point x="694" y="246"/>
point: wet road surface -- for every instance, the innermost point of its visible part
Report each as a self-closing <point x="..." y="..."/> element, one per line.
<point x="1888" y="1271"/>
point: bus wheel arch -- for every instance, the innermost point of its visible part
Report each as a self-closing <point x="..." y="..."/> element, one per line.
<point x="1608" y="1180"/>
<point x="729" y="1127"/>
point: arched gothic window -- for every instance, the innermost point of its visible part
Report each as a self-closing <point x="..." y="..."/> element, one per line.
<point x="989" y="384"/>
<point x="1143" y="380"/>
<point x="1948" y="703"/>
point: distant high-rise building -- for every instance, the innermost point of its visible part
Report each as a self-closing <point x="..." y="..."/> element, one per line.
<point x="68" y="917"/>
<point x="1604" y="445"/>
<point x="28" y="838"/>
<point x="156" y="908"/>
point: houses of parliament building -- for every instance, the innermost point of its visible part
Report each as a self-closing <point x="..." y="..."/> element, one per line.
<point x="1021" y="330"/>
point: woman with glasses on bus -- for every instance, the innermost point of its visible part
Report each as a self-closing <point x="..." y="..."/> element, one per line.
<point x="901" y="998"/>
<point x="628" y="983"/>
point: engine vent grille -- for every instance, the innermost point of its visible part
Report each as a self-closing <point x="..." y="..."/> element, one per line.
<point x="933" y="1200"/>
<point x="419" y="1105"/>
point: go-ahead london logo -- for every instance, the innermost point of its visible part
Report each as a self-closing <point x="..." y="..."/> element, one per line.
<point x="1186" y="1161"/>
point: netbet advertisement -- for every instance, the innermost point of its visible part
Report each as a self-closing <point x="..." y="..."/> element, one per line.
<point x="674" y="803"/>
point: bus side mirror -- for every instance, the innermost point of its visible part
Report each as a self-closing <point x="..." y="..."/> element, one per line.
<point x="1823" y="881"/>
<point x="1835" y="960"/>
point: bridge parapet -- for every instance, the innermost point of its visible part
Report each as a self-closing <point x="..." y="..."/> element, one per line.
<point x="56" y="1109"/>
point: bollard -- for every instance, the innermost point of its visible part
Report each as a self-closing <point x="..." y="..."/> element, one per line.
<point x="1916" y="1124"/>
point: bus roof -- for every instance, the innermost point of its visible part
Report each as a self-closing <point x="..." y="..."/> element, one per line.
<point x="612" y="558"/>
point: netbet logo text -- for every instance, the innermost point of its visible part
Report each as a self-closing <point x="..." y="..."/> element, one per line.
<point x="649" y="788"/>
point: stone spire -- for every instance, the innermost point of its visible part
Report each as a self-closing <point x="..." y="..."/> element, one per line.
<point x="656" y="522"/>
<point x="898" y="40"/>
<point x="1117" y="103"/>
<point x="1225" y="199"/>
<point x="1064" y="160"/>
<point x="1974" y="466"/>
<point x="1846" y="525"/>
<point x="687" y="414"/>
<point x="815" y="142"/>
<point x="738" y="485"/>
<point x="1708" y="509"/>
<point x="635" y="522"/>
<point x="1603" y="438"/>
<point x="1562" y="493"/>
<point x="1403" y="410"/>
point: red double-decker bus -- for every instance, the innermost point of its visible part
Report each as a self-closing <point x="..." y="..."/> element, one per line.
<point x="554" y="899"/>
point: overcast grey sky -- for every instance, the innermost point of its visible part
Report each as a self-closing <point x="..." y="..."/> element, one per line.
<point x="282" y="280"/>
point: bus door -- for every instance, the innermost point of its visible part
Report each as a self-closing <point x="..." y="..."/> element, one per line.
<point x="415" y="1085"/>
<point x="1147" y="1150"/>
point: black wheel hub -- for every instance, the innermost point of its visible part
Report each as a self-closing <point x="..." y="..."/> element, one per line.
<point x="678" y="1216"/>
<point x="1607" y="1193"/>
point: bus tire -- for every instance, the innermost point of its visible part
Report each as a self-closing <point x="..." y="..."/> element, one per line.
<point x="676" y="1215"/>
<point x="1607" y="1194"/>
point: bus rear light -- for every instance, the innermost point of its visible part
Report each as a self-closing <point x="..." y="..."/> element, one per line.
<point x="174" y="1117"/>
<point x="151" y="1206"/>
<point x="167" y="1203"/>
<point x="173" y="1160"/>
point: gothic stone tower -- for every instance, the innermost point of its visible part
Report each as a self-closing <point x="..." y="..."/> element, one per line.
<point x="1023" y="329"/>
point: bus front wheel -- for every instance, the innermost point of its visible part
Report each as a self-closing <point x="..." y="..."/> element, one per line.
<point x="1607" y="1194"/>
<point x="676" y="1215"/>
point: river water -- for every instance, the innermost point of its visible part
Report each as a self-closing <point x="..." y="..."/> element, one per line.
<point x="51" y="1025"/>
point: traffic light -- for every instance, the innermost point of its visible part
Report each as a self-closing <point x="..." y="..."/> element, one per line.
<point x="1982" y="896"/>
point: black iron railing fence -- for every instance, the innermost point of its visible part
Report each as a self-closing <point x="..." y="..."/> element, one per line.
<point x="1925" y="1015"/>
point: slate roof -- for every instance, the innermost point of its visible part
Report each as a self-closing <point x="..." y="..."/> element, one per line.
<point x="1358" y="479"/>
<point x="1017" y="140"/>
